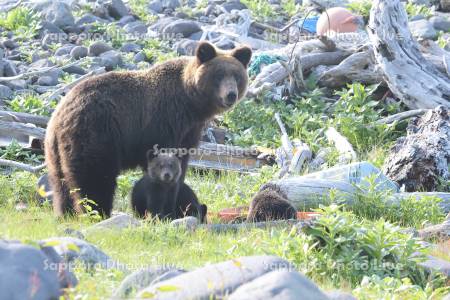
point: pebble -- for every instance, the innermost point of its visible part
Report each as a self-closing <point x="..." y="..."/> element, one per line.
<point x="79" y="52"/>
<point x="98" y="47"/>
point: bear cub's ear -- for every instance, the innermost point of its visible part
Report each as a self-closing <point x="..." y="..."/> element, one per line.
<point x="151" y="154"/>
<point x="242" y="54"/>
<point x="205" y="52"/>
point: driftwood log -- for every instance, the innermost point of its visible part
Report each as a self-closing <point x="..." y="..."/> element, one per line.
<point x="420" y="160"/>
<point x="19" y="117"/>
<point x="413" y="79"/>
<point x="358" y="67"/>
<point x="305" y="193"/>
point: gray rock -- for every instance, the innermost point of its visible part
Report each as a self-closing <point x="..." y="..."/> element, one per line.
<point x="10" y="44"/>
<point x="64" y="50"/>
<point x="440" y="23"/>
<point x="279" y="284"/>
<point x="47" y="81"/>
<point x="225" y="44"/>
<point x="217" y="280"/>
<point x="59" y="14"/>
<point x="74" y="69"/>
<point x="155" y="6"/>
<point x="444" y="5"/>
<point x="17" y="84"/>
<point x="130" y="47"/>
<point x="9" y="69"/>
<point x="417" y="17"/>
<point x="180" y="29"/>
<point x="172" y="4"/>
<point x="47" y="27"/>
<point x="168" y="275"/>
<point x="161" y="23"/>
<point x="420" y="2"/>
<point x="339" y="295"/>
<point x="186" y="47"/>
<point x="111" y="59"/>
<point x="422" y="29"/>
<point x="139" y="57"/>
<point x="50" y="39"/>
<point x="89" y="19"/>
<point x="434" y="264"/>
<point x="189" y="223"/>
<point x="136" y="27"/>
<point x="71" y="249"/>
<point x="74" y="233"/>
<point x="118" y="221"/>
<point x="5" y="92"/>
<point x="79" y="52"/>
<point x="125" y="20"/>
<point x="42" y="63"/>
<point x="117" y="9"/>
<point x="98" y="47"/>
<point x="27" y="272"/>
<point x="325" y="3"/>
<point x="138" y="280"/>
<point x="447" y="297"/>
<point x="234" y="5"/>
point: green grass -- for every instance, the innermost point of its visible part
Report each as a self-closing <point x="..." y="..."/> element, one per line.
<point x="326" y="252"/>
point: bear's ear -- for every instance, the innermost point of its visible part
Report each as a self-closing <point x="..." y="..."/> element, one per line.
<point x="205" y="52"/>
<point x="242" y="54"/>
<point x="151" y="154"/>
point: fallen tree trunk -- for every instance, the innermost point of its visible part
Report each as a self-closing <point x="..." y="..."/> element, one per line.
<point x="420" y="160"/>
<point x="21" y="166"/>
<point x="409" y="75"/>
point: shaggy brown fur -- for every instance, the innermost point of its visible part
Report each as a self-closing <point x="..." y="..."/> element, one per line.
<point x="269" y="205"/>
<point x="107" y="123"/>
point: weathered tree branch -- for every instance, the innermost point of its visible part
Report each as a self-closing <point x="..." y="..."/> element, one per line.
<point x="21" y="166"/>
<point x="20" y="128"/>
<point x="23" y="118"/>
<point x="409" y="75"/>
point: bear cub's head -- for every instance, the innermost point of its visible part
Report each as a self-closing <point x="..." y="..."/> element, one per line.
<point x="163" y="168"/>
<point x="219" y="76"/>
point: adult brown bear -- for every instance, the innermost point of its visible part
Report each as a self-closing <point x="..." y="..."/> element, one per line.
<point x="107" y="123"/>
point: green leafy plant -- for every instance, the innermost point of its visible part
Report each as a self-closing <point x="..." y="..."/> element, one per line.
<point x="14" y="151"/>
<point x="343" y="248"/>
<point x="389" y="288"/>
<point x="22" y="20"/>
<point x="371" y="203"/>
<point x="157" y="51"/>
<point x="361" y="7"/>
<point x="32" y="104"/>
<point x="261" y="9"/>
<point x="415" y="9"/>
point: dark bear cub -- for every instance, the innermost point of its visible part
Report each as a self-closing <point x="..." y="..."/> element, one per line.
<point x="269" y="205"/>
<point x="154" y="193"/>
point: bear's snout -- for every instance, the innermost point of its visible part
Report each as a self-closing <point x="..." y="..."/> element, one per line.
<point x="231" y="98"/>
<point x="228" y="91"/>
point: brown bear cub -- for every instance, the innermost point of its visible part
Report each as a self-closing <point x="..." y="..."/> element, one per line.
<point x="269" y="205"/>
<point x="152" y="194"/>
<point x="106" y="123"/>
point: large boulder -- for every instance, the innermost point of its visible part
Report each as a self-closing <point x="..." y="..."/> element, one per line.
<point x="280" y="285"/>
<point x="215" y="280"/>
<point x="28" y="272"/>
<point x="59" y="14"/>
<point x="422" y="29"/>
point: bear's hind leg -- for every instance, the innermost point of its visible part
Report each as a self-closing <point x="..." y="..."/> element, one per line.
<point x="62" y="203"/>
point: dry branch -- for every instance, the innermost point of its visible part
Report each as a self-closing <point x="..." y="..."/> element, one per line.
<point x="342" y="145"/>
<point x="37" y="72"/>
<point x="409" y="75"/>
<point x="21" y="166"/>
<point x="402" y="116"/>
<point x="8" y="128"/>
<point x="23" y="118"/>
